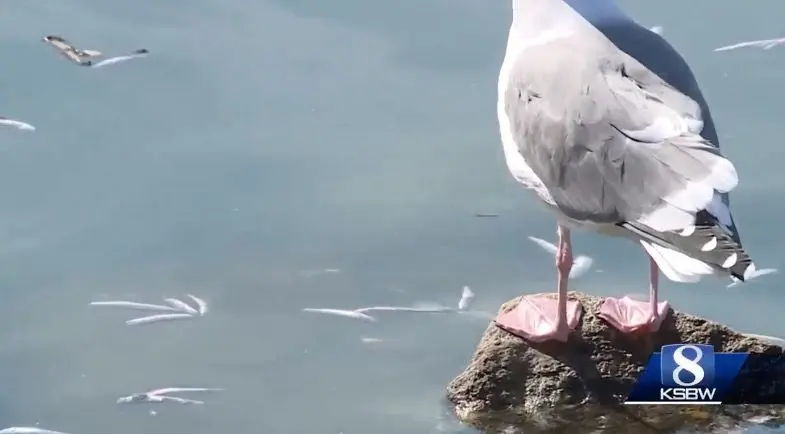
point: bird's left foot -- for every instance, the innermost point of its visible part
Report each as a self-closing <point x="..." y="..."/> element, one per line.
<point x="630" y="316"/>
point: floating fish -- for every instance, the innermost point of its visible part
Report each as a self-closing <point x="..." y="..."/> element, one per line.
<point x="159" y="395"/>
<point x="466" y="298"/>
<point x="136" y="54"/>
<point x="580" y="264"/>
<point x="201" y="304"/>
<point x="362" y="313"/>
<point x="425" y="309"/>
<point x="341" y="312"/>
<point x="181" y="306"/>
<point x="158" y="318"/>
<point x="134" y="305"/>
<point x="28" y="430"/>
<point x="765" y="44"/>
<point x="15" y="123"/>
<point x="752" y="275"/>
<point x="486" y="214"/>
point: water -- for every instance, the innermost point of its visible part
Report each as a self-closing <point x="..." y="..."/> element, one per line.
<point x="264" y="139"/>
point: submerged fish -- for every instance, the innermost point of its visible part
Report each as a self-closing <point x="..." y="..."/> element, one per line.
<point x="755" y="274"/>
<point x="201" y="304"/>
<point x="28" y="430"/>
<point x="425" y="309"/>
<point x="181" y="306"/>
<point x="159" y="395"/>
<point x="158" y="318"/>
<point x="580" y="264"/>
<point x="362" y="313"/>
<point x="341" y="312"/>
<point x="765" y="44"/>
<point x="466" y="298"/>
<point x="136" y="54"/>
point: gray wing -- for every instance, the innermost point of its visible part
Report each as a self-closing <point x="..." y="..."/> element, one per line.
<point x="610" y="140"/>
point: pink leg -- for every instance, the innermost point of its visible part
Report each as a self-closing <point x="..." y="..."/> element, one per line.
<point x="629" y="316"/>
<point x="542" y="317"/>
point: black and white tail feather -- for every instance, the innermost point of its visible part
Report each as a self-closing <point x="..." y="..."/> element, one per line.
<point x="705" y="248"/>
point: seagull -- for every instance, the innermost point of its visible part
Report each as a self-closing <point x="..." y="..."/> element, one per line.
<point x="590" y="124"/>
<point x="580" y="264"/>
<point x="15" y="123"/>
<point x="159" y="395"/>
<point x="657" y="29"/>
<point x="28" y="430"/>
<point x="765" y="44"/>
<point x="158" y="318"/>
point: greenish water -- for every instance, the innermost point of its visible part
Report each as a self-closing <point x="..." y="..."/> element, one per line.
<point x="263" y="139"/>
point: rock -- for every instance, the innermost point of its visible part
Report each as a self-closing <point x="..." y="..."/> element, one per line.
<point x="580" y="386"/>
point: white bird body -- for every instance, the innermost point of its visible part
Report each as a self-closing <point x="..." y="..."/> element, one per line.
<point x="159" y="395"/>
<point x="158" y="318"/>
<point x="28" y="430"/>
<point x="181" y="306"/>
<point x="202" y="307"/>
<point x="135" y="305"/>
<point x="17" y="124"/>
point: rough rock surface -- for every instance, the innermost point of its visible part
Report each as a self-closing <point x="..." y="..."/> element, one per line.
<point x="580" y="387"/>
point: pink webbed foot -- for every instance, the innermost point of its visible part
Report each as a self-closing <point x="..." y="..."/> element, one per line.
<point x="535" y="318"/>
<point x="629" y="316"/>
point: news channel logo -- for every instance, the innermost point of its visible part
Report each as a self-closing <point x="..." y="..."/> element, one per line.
<point x="687" y="374"/>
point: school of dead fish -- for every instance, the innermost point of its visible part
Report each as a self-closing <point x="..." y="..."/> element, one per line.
<point x="176" y="309"/>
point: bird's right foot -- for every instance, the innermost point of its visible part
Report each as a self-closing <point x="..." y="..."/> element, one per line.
<point x="535" y="318"/>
